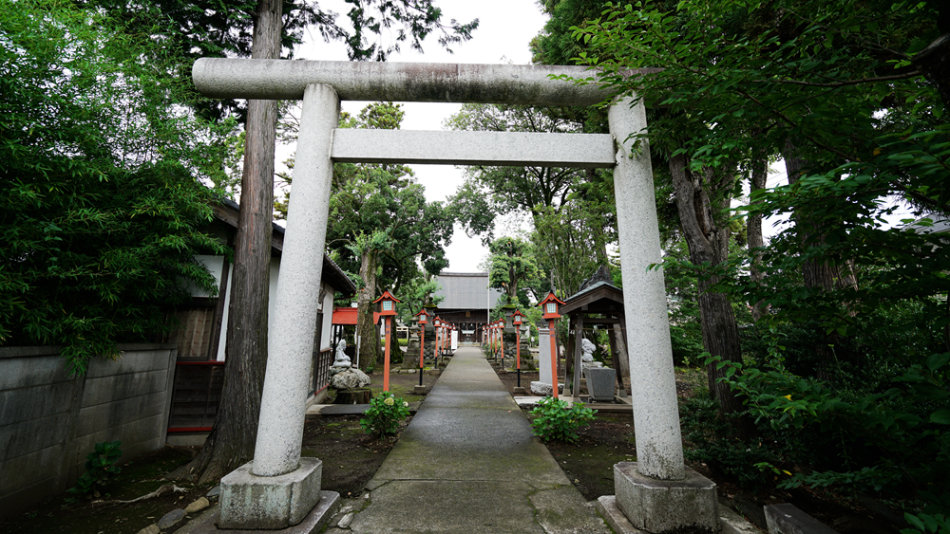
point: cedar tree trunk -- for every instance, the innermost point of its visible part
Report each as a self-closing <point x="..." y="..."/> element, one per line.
<point x="826" y="274"/>
<point x="232" y="438"/>
<point x="755" y="238"/>
<point x="366" y="329"/>
<point x="708" y="243"/>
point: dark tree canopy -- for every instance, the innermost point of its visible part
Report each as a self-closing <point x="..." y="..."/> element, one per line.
<point x="374" y="28"/>
<point x="100" y="206"/>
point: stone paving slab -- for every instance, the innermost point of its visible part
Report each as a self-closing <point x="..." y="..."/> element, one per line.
<point x="468" y="462"/>
<point x="347" y="409"/>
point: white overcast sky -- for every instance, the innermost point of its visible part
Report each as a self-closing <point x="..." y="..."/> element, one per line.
<point x="505" y="30"/>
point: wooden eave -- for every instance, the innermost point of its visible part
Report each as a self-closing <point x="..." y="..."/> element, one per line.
<point x="603" y="298"/>
<point x="228" y="212"/>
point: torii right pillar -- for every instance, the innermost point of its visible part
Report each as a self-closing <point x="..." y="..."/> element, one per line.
<point x="657" y="493"/>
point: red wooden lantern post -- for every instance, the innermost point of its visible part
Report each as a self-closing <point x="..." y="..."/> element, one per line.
<point x="516" y="320"/>
<point x="499" y="342"/>
<point x="501" y="338"/>
<point x="437" y="325"/>
<point x="387" y="310"/>
<point x="550" y="306"/>
<point x="422" y="315"/>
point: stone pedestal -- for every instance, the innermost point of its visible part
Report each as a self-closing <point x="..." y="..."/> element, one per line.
<point x="249" y="501"/>
<point x="659" y="506"/>
<point x="354" y="396"/>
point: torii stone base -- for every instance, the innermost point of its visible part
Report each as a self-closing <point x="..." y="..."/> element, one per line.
<point x="249" y="501"/>
<point x="658" y="506"/>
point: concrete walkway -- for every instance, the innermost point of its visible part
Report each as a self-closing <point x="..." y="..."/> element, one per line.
<point x="468" y="463"/>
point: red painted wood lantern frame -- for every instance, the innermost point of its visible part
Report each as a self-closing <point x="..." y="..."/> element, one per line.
<point x="550" y="306"/>
<point x="517" y="318"/>
<point x="387" y="304"/>
<point x="387" y="310"/>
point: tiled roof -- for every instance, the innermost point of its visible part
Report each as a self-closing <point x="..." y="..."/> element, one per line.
<point x="466" y="291"/>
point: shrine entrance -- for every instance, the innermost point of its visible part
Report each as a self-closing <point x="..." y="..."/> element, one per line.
<point x="321" y="85"/>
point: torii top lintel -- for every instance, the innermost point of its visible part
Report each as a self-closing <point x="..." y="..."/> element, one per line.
<point x="402" y="82"/>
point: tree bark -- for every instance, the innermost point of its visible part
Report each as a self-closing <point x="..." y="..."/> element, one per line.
<point x="232" y="438"/>
<point x="755" y="238"/>
<point x="826" y="274"/>
<point x="570" y="346"/>
<point x="366" y="329"/>
<point x="830" y="273"/>
<point x="708" y="243"/>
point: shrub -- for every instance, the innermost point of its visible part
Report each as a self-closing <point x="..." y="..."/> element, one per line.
<point x="101" y="470"/>
<point x="384" y="414"/>
<point x="557" y="420"/>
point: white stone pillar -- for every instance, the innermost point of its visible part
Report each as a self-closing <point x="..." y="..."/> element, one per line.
<point x="290" y="342"/>
<point x="544" y="356"/>
<point x="652" y="379"/>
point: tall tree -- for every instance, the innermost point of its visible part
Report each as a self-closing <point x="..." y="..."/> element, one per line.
<point x="571" y="209"/>
<point x="743" y="80"/>
<point x="230" y="441"/>
<point x="233" y="436"/>
<point x="511" y="264"/>
<point x="385" y="229"/>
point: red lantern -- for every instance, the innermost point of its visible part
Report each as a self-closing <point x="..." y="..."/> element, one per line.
<point x="421" y="319"/>
<point x="387" y="304"/>
<point x="387" y="310"/>
<point x="550" y="305"/>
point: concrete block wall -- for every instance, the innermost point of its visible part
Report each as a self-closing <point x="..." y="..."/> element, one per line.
<point x="50" y="421"/>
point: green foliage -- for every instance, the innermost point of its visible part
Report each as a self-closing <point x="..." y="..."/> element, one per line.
<point x="926" y="523"/>
<point x="385" y="413"/>
<point x="372" y="29"/>
<point x="844" y="382"/>
<point x="852" y="439"/>
<point x="557" y="420"/>
<point x="101" y="470"/>
<point x="572" y="210"/>
<point x="100" y="207"/>
<point x="381" y="209"/>
<point x="511" y="264"/>
<point x="711" y="439"/>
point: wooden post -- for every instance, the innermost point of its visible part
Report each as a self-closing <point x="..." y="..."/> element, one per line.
<point x="620" y="352"/>
<point x="552" y="334"/>
<point x="422" y="345"/>
<point x="388" y="327"/>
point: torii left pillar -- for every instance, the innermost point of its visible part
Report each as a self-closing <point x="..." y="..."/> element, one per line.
<point x="279" y="489"/>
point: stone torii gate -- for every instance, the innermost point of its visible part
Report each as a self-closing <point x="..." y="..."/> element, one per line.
<point x="279" y="488"/>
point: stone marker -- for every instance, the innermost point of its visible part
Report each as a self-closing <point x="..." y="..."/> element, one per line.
<point x="600" y="383"/>
<point x="786" y="518"/>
